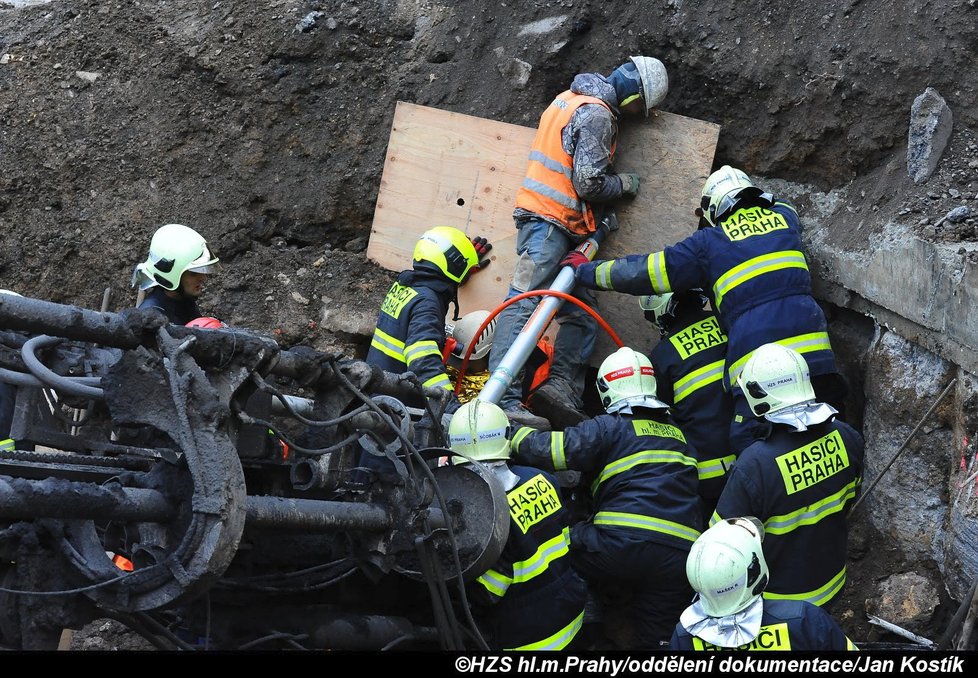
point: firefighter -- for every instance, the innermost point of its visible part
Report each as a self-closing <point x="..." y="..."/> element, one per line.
<point x="727" y="569"/>
<point x="748" y="254"/>
<point x="569" y="189"/>
<point x="688" y="361"/>
<point x="799" y="479"/>
<point x="174" y="274"/>
<point x="643" y="481"/>
<point x="410" y="333"/>
<point x="531" y="598"/>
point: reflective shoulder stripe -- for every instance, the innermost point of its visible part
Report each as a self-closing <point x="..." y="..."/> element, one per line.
<point x="559" y="640"/>
<point x="752" y="268"/>
<point x="697" y="379"/>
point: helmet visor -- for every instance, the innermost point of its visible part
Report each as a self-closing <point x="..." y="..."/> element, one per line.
<point x="749" y="523"/>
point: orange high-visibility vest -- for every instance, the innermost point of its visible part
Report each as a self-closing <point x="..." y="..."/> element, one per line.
<point x="548" y="188"/>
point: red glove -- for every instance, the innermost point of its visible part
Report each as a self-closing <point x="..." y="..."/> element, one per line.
<point x="482" y="249"/>
<point x="574" y="259"/>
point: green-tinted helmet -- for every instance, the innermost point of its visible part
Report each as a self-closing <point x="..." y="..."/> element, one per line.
<point x="480" y="430"/>
<point x="722" y="190"/>
<point x="174" y="250"/>
<point x="774" y="378"/>
<point x="625" y="378"/>
<point x="726" y="566"/>
<point x="445" y="250"/>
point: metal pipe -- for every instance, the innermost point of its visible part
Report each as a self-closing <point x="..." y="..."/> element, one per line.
<point x="523" y="345"/>
<point x="314" y="515"/>
<point x="22" y="499"/>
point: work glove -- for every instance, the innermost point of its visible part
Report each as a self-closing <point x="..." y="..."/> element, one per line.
<point x="629" y="184"/>
<point x="574" y="259"/>
<point x="482" y="249"/>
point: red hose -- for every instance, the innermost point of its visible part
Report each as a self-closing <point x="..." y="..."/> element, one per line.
<point x="525" y="295"/>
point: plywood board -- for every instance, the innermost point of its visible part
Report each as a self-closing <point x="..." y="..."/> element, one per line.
<point x="451" y="169"/>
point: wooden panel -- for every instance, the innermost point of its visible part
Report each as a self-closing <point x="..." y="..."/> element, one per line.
<point x="451" y="169"/>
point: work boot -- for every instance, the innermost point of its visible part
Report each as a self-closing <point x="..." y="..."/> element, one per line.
<point x="555" y="400"/>
<point x="520" y="416"/>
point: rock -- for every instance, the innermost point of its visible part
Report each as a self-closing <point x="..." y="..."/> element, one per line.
<point x="907" y="600"/>
<point x="516" y="71"/>
<point x="930" y="130"/>
<point x="958" y="214"/>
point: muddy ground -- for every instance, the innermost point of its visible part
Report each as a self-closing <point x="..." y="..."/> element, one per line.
<point x="264" y="126"/>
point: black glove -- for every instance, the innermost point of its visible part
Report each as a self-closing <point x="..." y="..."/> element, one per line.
<point x="574" y="259"/>
<point x="482" y="249"/>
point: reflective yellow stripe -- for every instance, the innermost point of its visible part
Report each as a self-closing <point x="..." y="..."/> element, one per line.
<point x="7" y="445"/>
<point x="388" y="345"/>
<point x="750" y="269"/>
<point x="803" y="343"/>
<point x="525" y="570"/>
<point x="658" y="275"/>
<point x="617" y="519"/>
<point x="602" y="275"/>
<point x="643" y="457"/>
<point x="438" y="380"/>
<point x="420" y="349"/>
<point x="559" y="640"/>
<point x="521" y="432"/>
<point x="819" y="596"/>
<point x="557" y="451"/>
<point x="697" y="379"/>
<point x="813" y="513"/>
<point x="714" y="468"/>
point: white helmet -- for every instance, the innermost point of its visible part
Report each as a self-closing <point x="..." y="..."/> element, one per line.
<point x="464" y="333"/>
<point x="625" y="378"/>
<point x="658" y="308"/>
<point x="774" y="378"/>
<point x="174" y="250"/>
<point x="726" y="566"/>
<point x="722" y="190"/>
<point x="655" y="80"/>
<point x="480" y="430"/>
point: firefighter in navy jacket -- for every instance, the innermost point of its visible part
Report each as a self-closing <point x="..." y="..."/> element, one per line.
<point x="799" y="480"/>
<point x="752" y="264"/>
<point x="728" y="571"/>
<point x="688" y="361"/>
<point x="531" y="598"/>
<point x="643" y="482"/>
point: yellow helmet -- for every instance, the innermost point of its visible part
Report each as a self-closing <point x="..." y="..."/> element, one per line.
<point x="480" y="430"/>
<point x="445" y="250"/>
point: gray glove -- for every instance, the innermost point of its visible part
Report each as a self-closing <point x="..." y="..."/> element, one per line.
<point x="629" y="184"/>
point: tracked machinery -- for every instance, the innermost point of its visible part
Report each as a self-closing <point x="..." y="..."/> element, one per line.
<point x="208" y="489"/>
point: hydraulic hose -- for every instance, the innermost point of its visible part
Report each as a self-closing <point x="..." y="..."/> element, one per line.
<point x="525" y="295"/>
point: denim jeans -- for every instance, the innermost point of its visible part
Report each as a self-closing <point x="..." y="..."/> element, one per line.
<point x="540" y="246"/>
